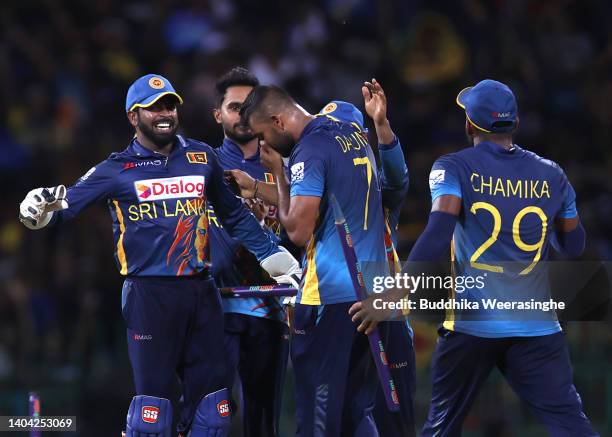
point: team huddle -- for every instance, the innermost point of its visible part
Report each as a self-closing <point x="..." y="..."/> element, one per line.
<point x="189" y="219"/>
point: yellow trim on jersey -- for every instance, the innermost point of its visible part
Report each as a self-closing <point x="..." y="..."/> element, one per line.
<point x="120" y="250"/>
<point x="310" y="292"/>
<point x="141" y="105"/>
<point x="449" y="323"/>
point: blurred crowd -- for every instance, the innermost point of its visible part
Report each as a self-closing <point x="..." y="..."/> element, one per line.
<point x="65" y="68"/>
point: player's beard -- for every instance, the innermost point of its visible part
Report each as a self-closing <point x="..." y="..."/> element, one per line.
<point x="283" y="143"/>
<point x="238" y="133"/>
<point x="159" y="139"/>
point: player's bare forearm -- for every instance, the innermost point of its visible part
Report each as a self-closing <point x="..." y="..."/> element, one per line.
<point x="268" y="192"/>
<point x="384" y="133"/>
<point x="298" y="215"/>
<point x="566" y="224"/>
<point x="447" y="203"/>
<point x="283" y="199"/>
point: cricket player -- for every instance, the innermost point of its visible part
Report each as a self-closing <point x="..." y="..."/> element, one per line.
<point x="256" y="335"/>
<point x="503" y="207"/>
<point x="394" y="181"/>
<point x="156" y="191"/>
<point x="335" y="376"/>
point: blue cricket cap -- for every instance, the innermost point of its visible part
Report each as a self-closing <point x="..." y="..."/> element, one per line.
<point x="490" y="106"/>
<point x="147" y="90"/>
<point x="345" y="112"/>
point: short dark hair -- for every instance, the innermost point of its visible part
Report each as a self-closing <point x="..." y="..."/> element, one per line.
<point x="237" y="76"/>
<point x="263" y="98"/>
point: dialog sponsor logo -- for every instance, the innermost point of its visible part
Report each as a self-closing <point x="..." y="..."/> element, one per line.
<point x="169" y="188"/>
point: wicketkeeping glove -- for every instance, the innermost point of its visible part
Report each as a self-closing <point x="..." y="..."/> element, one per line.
<point x="36" y="210"/>
<point x="283" y="268"/>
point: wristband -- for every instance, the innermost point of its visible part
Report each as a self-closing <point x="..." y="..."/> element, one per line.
<point x="256" y="187"/>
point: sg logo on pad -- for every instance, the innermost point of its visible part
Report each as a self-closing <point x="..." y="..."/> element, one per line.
<point x="150" y="414"/>
<point x="223" y="408"/>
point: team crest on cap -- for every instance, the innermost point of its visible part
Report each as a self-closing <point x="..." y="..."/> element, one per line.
<point x="157" y="83"/>
<point x="330" y="107"/>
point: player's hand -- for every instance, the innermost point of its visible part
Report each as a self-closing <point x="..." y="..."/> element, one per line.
<point x="375" y="101"/>
<point x="257" y="207"/>
<point x="244" y="182"/>
<point x="271" y="159"/>
<point x="360" y="314"/>
<point x="368" y="315"/>
<point x="36" y="210"/>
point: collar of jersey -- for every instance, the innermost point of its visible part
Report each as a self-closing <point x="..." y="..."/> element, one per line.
<point x="497" y="149"/>
<point x="231" y="149"/>
<point x="313" y="125"/>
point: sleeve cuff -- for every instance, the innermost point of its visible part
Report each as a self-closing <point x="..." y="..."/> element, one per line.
<point x="391" y="145"/>
<point x="306" y="193"/>
<point x="437" y="194"/>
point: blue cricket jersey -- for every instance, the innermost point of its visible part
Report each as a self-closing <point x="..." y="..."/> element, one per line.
<point x="334" y="158"/>
<point x="158" y="203"/>
<point x="231" y="264"/>
<point x="510" y="199"/>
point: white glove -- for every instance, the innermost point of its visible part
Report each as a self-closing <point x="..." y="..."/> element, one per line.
<point x="283" y="268"/>
<point x="289" y="301"/>
<point x="36" y="210"/>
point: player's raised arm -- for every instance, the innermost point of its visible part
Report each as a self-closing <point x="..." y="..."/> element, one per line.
<point x="43" y="206"/>
<point x="394" y="172"/>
